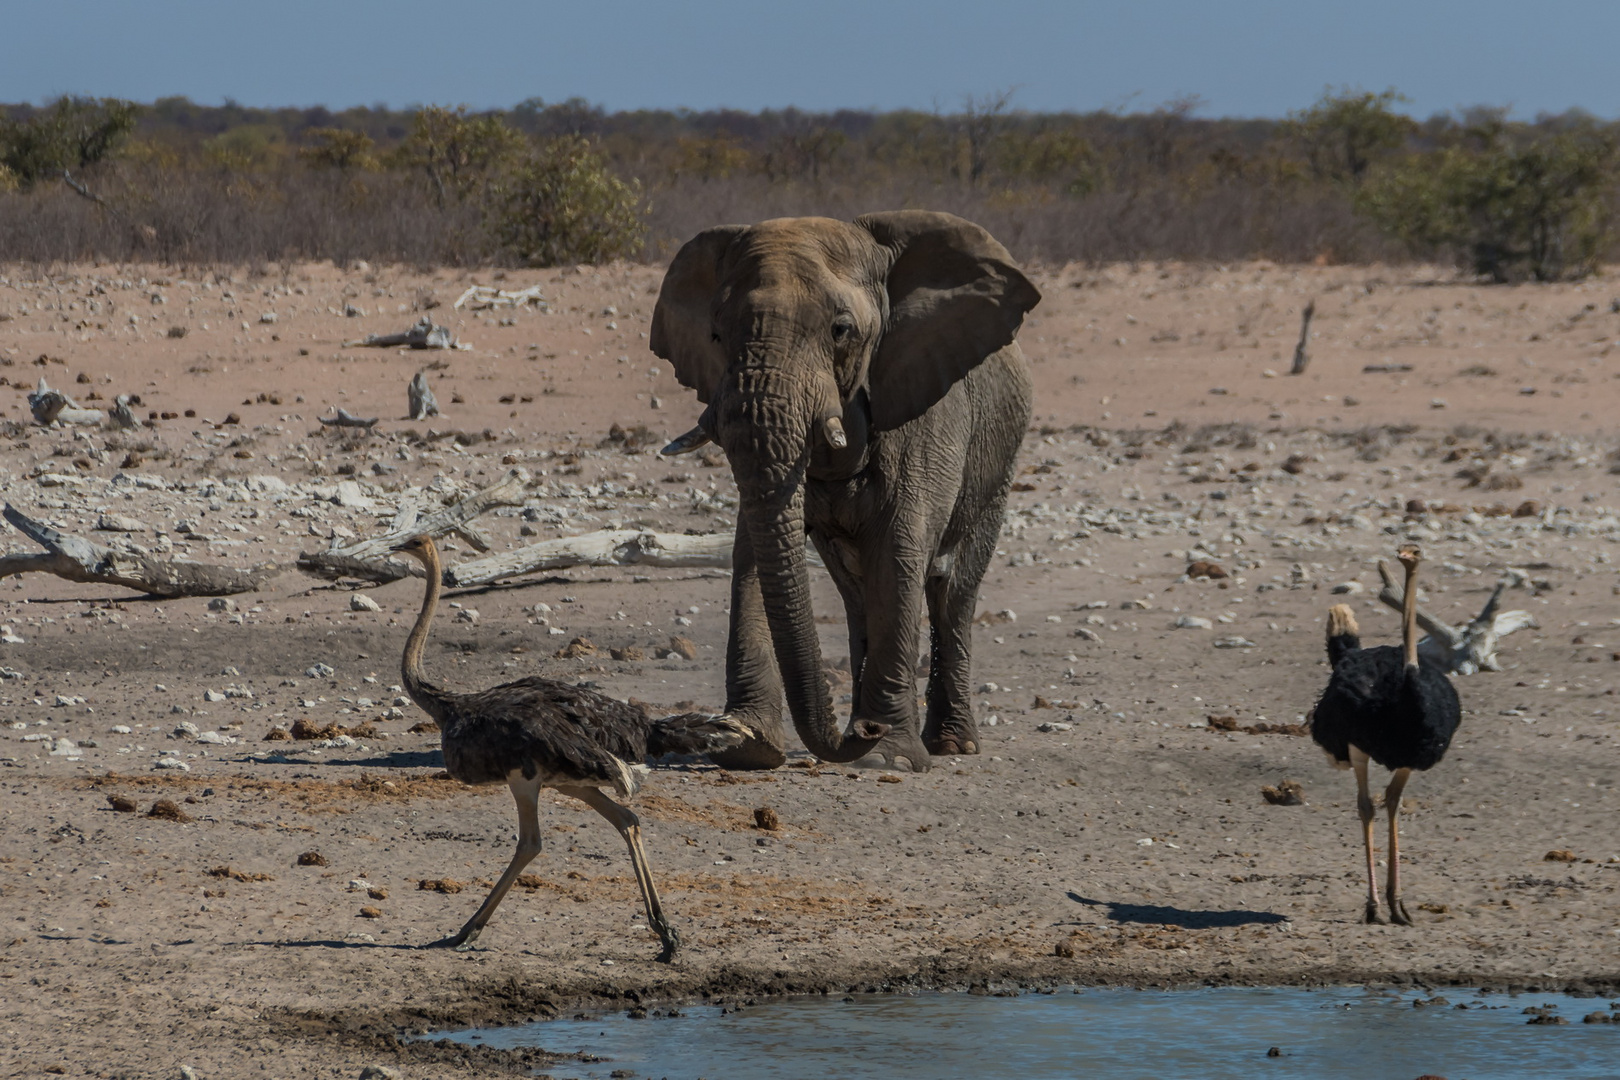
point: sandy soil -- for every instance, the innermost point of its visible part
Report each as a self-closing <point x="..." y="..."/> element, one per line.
<point x="1128" y="842"/>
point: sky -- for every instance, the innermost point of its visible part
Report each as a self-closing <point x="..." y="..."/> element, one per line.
<point x="1242" y="58"/>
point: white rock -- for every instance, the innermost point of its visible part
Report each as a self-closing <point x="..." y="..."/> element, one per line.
<point x="65" y="748"/>
<point x="1194" y="622"/>
<point x="1054" y="725"/>
<point x="8" y="637"/>
<point x="68" y="700"/>
<point x="222" y="603"/>
<point x="213" y="695"/>
<point x="1349" y="588"/>
<point x="268" y="317"/>
<point x="171" y="763"/>
<point x="467" y="615"/>
<point x="363" y="703"/>
<point x="362" y="602"/>
<point x="120" y="729"/>
<point x="185" y="729"/>
<point x="319" y="671"/>
<point x="119" y="523"/>
<point x="349" y="494"/>
<point x="1234" y="643"/>
<point x="215" y="738"/>
<point x="1087" y="634"/>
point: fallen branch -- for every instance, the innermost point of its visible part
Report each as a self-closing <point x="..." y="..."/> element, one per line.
<point x="483" y="297"/>
<point x="77" y="559"/>
<point x="1466" y="649"/>
<point x="423" y="335"/>
<point x="1302" y="354"/>
<point x="609" y="547"/>
<point x="345" y="418"/>
<point x="369" y="559"/>
<point x="52" y="406"/>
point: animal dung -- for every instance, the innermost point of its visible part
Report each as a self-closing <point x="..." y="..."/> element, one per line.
<point x="1560" y="855"/>
<point x="683" y="647"/>
<point x="168" y="810"/>
<point x="765" y="818"/>
<point x="312" y="858"/>
<point x="440" y="885"/>
<point x="578" y="648"/>
<point x="1287" y="793"/>
<point x="123" y="804"/>
<point x="1205" y="569"/>
<point x="369" y="912"/>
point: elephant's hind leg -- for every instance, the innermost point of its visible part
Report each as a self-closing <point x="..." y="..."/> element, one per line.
<point x="953" y="595"/>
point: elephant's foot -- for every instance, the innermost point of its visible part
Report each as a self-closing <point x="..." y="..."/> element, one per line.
<point x="953" y="739"/>
<point x="766" y="751"/>
<point x="905" y="746"/>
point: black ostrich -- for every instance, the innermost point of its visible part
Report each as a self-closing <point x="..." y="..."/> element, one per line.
<point x="536" y="733"/>
<point x="1383" y="705"/>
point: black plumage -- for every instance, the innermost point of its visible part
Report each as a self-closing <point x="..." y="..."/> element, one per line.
<point x="535" y="732"/>
<point x="1385" y="705"/>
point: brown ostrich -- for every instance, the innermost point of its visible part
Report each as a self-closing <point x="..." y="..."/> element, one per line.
<point x="535" y="733"/>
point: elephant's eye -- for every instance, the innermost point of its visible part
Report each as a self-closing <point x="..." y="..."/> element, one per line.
<point x="842" y="327"/>
<point x="714" y="336"/>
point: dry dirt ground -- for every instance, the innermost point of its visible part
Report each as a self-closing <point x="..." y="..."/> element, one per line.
<point x="1126" y="842"/>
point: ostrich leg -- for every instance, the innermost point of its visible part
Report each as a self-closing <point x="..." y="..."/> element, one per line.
<point x="527" y="794"/>
<point x="629" y="826"/>
<point x="1392" y="804"/>
<point x="1364" y="806"/>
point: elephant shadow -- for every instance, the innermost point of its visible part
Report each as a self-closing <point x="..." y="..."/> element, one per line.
<point x="1163" y="915"/>
<point x="399" y="759"/>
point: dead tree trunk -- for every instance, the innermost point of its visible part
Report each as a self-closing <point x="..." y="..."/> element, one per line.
<point x="368" y="559"/>
<point x="77" y="559"/>
<point x="423" y="403"/>
<point x="1301" y="354"/>
<point x="1461" y="650"/>
<point x="609" y="547"/>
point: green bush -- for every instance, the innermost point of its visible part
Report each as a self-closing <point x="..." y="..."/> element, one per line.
<point x="564" y="205"/>
<point x="72" y="133"/>
<point x="1510" y="212"/>
<point x="1343" y="134"/>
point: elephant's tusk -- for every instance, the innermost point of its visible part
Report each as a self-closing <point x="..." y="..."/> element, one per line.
<point x="835" y="432"/>
<point x="687" y="443"/>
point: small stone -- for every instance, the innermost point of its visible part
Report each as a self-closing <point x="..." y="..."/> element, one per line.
<point x="377" y="893"/>
<point x="215" y="738"/>
<point x="268" y="317"/>
<point x="1234" y="643"/>
<point x="1205" y="569"/>
<point x="362" y="602"/>
<point x="629" y="652"/>
<point x="119" y="523"/>
<point x="312" y="858"/>
<point x="467" y="615"/>
<point x="213" y="695"/>
<point x="380" y="1072"/>
<point x="222" y="603"/>
<point x="1528" y="508"/>
<point x="1194" y="622"/>
<point x="1560" y="855"/>
<point x="65" y="748"/>
<point x="171" y="763"/>
<point x="185" y="729"/>
<point x="188" y="1073"/>
<point x="1054" y="725"/>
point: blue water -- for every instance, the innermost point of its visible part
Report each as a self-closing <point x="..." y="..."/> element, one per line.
<point x="1203" y="1034"/>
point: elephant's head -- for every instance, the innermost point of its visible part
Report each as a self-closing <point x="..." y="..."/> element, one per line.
<point x="804" y="336"/>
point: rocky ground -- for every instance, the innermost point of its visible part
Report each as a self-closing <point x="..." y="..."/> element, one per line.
<point x="187" y="887"/>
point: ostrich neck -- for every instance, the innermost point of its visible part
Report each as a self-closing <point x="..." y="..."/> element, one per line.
<point x="424" y="693"/>
<point x="1409" y="618"/>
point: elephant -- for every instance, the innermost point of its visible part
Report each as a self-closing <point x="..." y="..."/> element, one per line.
<point x="866" y="386"/>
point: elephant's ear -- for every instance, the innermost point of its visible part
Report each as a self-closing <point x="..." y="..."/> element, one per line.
<point x="955" y="297"/>
<point x="681" y="331"/>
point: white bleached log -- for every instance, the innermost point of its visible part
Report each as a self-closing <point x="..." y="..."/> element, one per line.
<point x="1461" y="650"/>
<point x="422" y="335"/>
<point x="52" y="406"/>
<point x="609" y="547"/>
<point x="483" y="297"/>
<point x="77" y="559"/>
<point x="345" y="418"/>
<point x="369" y="559"/>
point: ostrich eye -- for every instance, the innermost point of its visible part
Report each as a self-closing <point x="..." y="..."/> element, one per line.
<point x="842" y="327"/>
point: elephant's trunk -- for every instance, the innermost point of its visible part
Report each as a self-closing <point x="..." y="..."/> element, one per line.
<point x="769" y="451"/>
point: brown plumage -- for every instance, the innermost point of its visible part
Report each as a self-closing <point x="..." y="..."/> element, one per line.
<point x="535" y="733"/>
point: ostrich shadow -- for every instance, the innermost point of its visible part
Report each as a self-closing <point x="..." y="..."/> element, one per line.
<point x="399" y="759"/>
<point x="1161" y="915"/>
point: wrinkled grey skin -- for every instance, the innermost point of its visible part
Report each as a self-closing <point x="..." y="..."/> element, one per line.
<point x="898" y="327"/>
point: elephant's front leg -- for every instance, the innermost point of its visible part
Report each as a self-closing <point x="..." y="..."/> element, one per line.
<point x="753" y="683"/>
<point x="888" y="679"/>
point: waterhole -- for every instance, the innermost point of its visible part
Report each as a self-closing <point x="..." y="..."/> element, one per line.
<point x="1209" y="1034"/>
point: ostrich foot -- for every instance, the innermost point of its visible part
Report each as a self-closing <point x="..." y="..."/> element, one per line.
<point x="461" y="941"/>
<point x="1372" y="918"/>
<point x="672" y="944"/>
<point x="1397" y="912"/>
